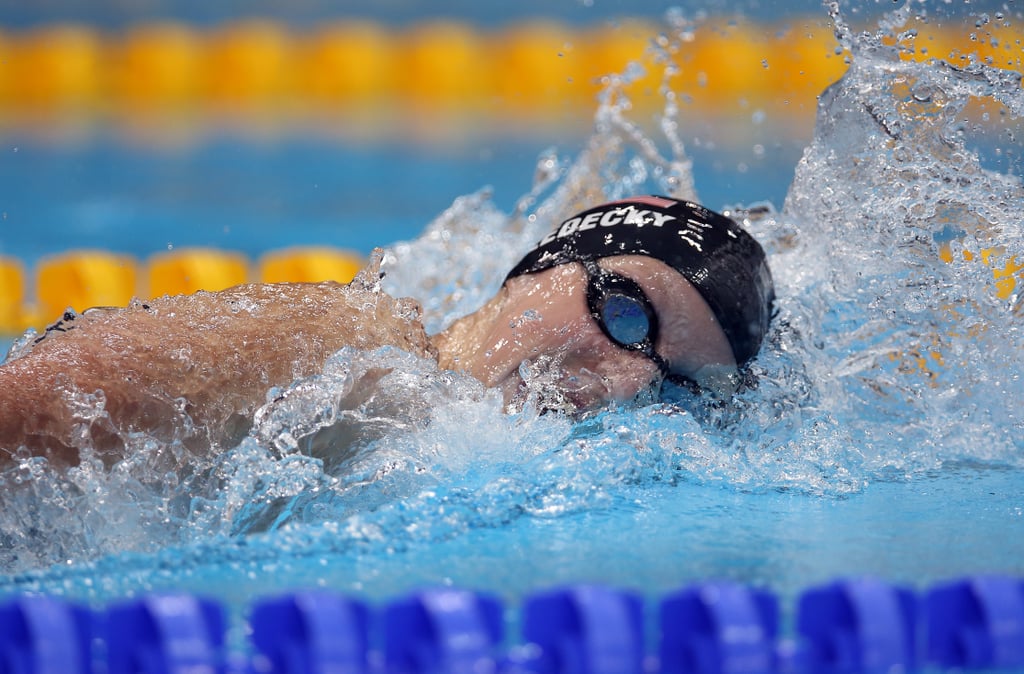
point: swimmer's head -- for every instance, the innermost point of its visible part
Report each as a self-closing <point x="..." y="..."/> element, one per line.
<point x="625" y="292"/>
<point x="720" y="259"/>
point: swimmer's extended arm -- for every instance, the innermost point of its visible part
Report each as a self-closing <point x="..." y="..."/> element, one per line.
<point x="193" y="367"/>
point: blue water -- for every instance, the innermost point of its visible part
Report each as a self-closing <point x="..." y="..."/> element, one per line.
<point x="956" y="521"/>
<point x="234" y="194"/>
<point x="883" y="436"/>
<point x="114" y="14"/>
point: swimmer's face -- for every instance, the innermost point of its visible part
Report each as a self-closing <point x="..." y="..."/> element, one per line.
<point x="542" y="336"/>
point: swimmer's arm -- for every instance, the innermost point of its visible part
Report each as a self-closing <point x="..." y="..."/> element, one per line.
<point x="210" y="356"/>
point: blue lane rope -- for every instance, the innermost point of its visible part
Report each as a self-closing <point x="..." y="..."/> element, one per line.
<point x="849" y="626"/>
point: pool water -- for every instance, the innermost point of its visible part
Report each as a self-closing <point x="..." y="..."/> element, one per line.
<point x="957" y="520"/>
<point x="882" y="436"/>
<point x="234" y="193"/>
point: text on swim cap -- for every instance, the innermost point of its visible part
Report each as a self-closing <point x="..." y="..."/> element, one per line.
<point x="626" y="215"/>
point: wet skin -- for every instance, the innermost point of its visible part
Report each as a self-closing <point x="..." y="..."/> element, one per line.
<point x="545" y="316"/>
<point x="195" y="368"/>
<point x="190" y="368"/>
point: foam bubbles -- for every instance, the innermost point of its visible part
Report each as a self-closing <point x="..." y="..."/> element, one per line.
<point x="920" y="350"/>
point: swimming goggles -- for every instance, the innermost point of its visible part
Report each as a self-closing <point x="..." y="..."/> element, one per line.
<point x="624" y="313"/>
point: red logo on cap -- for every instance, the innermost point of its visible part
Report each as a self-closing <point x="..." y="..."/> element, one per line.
<point x="658" y="202"/>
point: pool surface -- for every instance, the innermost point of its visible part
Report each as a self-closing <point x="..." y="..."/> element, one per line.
<point x="235" y="195"/>
<point x="882" y="437"/>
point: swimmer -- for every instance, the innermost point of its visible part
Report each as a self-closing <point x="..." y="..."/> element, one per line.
<point x="616" y="299"/>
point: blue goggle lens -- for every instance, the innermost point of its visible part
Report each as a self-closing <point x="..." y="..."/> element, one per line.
<point x="625" y="319"/>
<point x="626" y="316"/>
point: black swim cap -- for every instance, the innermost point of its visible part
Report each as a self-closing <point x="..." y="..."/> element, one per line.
<point x="725" y="264"/>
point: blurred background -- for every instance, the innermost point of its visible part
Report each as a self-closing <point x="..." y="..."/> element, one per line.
<point x="151" y="146"/>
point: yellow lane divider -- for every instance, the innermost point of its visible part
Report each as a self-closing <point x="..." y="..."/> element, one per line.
<point x="83" y="279"/>
<point x="12" y="294"/>
<point x="538" y="68"/>
<point x="309" y="265"/>
<point x="88" y="278"/>
<point x="928" y="359"/>
<point x="178" y="273"/>
<point x="1004" y="267"/>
